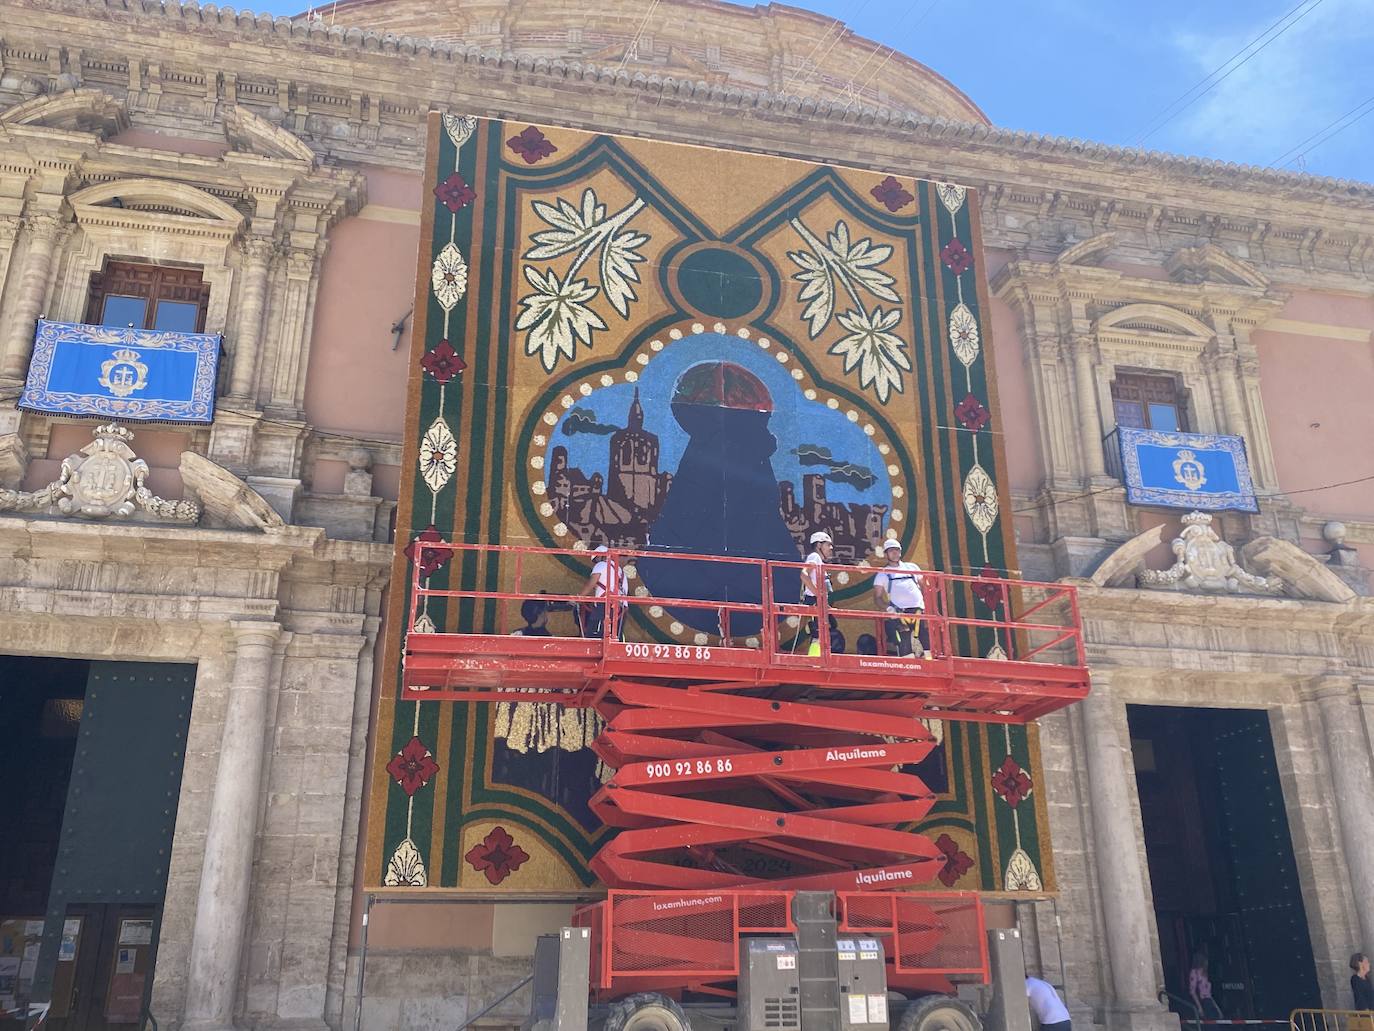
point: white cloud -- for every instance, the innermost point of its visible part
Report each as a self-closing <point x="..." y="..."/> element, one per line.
<point x="1306" y="78"/>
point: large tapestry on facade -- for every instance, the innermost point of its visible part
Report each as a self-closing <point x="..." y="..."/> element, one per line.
<point x="613" y="336"/>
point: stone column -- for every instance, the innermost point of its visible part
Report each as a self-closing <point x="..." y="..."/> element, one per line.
<point x="1126" y="910"/>
<point x="1227" y="366"/>
<point x="226" y="877"/>
<point x="42" y="232"/>
<point x="257" y="254"/>
<point x="1348" y="758"/>
<point x="1089" y="415"/>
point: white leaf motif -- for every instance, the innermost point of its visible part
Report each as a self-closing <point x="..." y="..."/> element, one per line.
<point x="556" y="316"/>
<point x="838" y="262"/>
<point x="438" y="455"/>
<point x="459" y="128"/>
<point x="449" y="277"/>
<point x="963" y="334"/>
<point x="1021" y="874"/>
<point x="980" y="498"/>
<point x="951" y="196"/>
<point x="618" y="272"/>
<point x="406" y="869"/>
<point x="871" y="346"/>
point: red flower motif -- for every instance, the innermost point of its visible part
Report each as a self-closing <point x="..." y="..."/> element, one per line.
<point x="431" y="560"/>
<point x="990" y="594"/>
<point x="956" y="256"/>
<point x="443" y="362"/>
<point x="454" y="193"/>
<point x="497" y="855"/>
<point x="532" y="145"/>
<point x="957" y="861"/>
<point x="413" y="766"/>
<point x="971" y="414"/>
<point x="891" y="194"/>
<point x="1011" y="782"/>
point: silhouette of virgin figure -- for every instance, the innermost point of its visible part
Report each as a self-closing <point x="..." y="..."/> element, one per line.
<point x="723" y="500"/>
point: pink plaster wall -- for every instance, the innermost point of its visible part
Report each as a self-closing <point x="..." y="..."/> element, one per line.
<point x="1307" y="380"/>
<point x="356" y="383"/>
<point x="151" y="139"/>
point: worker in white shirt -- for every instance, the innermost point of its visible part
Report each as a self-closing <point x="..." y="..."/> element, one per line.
<point x="1046" y="1007"/>
<point x="815" y="581"/>
<point x="898" y="587"/>
<point x="598" y="585"/>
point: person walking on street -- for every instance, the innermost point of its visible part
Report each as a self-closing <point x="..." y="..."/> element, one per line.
<point x="1046" y="1007"/>
<point x="898" y="586"/>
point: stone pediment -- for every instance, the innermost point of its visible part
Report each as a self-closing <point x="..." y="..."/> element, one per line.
<point x="227" y="501"/>
<point x="1205" y="564"/>
<point x="83" y="110"/>
<point x="1210" y="264"/>
<point x="249" y="133"/>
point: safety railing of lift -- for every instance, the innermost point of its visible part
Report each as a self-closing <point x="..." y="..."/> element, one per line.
<point x="966" y="616"/>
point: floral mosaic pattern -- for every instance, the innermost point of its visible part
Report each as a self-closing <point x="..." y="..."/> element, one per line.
<point x="579" y="298"/>
<point x="558" y="316"/>
<point x="497" y="856"/>
<point x="840" y="264"/>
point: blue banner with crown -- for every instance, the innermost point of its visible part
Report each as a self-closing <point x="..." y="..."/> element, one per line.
<point x="126" y="374"/>
<point x="1197" y="471"/>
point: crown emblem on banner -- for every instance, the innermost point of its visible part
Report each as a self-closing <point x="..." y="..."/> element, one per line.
<point x="123" y="373"/>
<point x="1188" y="470"/>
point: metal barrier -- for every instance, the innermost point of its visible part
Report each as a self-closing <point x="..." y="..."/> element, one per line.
<point x="1331" y="1020"/>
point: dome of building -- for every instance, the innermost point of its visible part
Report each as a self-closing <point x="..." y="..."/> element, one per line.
<point x="773" y="48"/>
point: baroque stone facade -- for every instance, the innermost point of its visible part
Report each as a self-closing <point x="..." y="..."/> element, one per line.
<point x="281" y="157"/>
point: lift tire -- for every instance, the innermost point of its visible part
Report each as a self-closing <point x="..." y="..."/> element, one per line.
<point x="938" y="1013"/>
<point x="646" y="1011"/>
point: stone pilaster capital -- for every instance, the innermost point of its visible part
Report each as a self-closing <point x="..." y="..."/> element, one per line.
<point x="258" y="251"/>
<point x="254" y="633"/>
<point x="1083" y="345"/>
<point x="43" y="226"/>
<point x="1331" y="687"/>
<point x="300" y="264"/>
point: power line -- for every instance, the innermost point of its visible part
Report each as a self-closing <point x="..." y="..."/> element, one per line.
<point x="805" y="64"/>
<point x="634" y="42"/>
<point x="809" y="66"/>
<point x="1286" y="160"/>
<point x="1287" y="21"/>
<point x="854" y="93"/>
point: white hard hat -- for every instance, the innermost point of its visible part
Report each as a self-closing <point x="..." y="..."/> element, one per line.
<point x="600" y="548"/>
<point x="821" y="537"/>
<point x="888" y="545"/>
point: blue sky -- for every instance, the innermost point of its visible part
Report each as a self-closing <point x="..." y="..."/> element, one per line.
<point x="1108" y="70"/>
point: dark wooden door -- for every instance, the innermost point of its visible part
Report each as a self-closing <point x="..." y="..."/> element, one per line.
<point x="104" y="972"/>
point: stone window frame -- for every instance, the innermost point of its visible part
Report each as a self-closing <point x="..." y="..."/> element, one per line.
<point x="1156" y="339"/>
<point x="189" y="227"/>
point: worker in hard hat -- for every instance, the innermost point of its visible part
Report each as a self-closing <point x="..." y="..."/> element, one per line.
<point x="815" y="583"/>
<point x="601" y="582"/>
<point x="897" y="586"/>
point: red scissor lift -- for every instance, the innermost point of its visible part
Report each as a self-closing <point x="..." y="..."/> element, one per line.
<point x="747" y="765"/>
